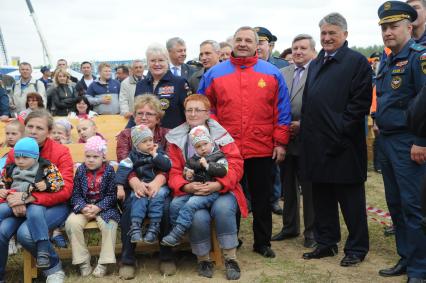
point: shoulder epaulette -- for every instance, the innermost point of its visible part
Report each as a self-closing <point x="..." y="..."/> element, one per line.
<point x="417" y="47"/>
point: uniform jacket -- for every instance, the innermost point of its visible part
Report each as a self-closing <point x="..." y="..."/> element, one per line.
<point x="177" y="151"/>
<point x="143" y="165"/>
<point x="19" y="95"/>
<point x="278" y="62"/>
<point x="59" y="155"/>
<point x="399" y="81"/>
<point x="336" y="99"/>
<point x="98" y="90"/>
<point x="417" y="115"/>
<point x="63" y="99"/>
<point x="250" y="100"/>
<point x="171" y="91"/>
<point x="108" y="193"/>
<point x="296" y="96"/>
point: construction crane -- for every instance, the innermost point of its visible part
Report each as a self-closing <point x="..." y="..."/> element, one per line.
<point x="3" y="49"/>
<point x="46" y="52"/>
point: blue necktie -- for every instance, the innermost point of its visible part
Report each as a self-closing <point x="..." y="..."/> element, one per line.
<point x="175" y="71"/>
<point x="296" y="79"/>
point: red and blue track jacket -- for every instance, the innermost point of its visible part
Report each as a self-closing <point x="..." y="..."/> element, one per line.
<point x="250" y="100"/>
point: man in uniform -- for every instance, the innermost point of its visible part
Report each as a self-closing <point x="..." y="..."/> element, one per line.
<point x="263" y="48"/>
<point x="399" y="81"/>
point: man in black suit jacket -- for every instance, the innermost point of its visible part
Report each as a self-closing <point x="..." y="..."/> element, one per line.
<point x="336" y="99"/>
<point x="177" y="53"/>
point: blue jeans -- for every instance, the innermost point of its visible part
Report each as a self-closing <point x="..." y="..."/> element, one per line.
<point x="183" y="208"/>
<point x="223" y="212"/>
<point x="55" y="217"/>
<point x="128" y="248"/>
<point x="36" y="220"/>
<point x="151" y="207"/>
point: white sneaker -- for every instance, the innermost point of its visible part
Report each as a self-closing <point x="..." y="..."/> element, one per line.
<point x="85" y="268"/>
<point x="100" y="270"/>
<point x="57" y="277"/>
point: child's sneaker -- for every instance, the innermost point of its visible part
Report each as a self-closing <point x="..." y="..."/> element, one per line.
<point x="174" y="237"/>
<point x="59" y="241"/>
<point x="43" y="260"/>
<point x="100" y="270"/>
<point x="151" y="235"/>
<point x="135" y="232"/>
<point x="85" y="268"/>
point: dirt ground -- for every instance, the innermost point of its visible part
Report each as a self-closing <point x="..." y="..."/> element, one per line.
<point x="288" y="266"/>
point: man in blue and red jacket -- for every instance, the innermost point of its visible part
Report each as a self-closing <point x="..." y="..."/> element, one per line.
<point x="250" y="99"/>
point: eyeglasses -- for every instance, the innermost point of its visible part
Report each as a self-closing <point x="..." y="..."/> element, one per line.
<point x="146" y="114"/>
<point x="196" y="110"/>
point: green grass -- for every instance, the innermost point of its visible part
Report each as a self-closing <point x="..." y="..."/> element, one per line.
<point x="288" y="266"/>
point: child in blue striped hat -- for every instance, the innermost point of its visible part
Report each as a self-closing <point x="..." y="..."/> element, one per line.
<point x="28" y="173"/>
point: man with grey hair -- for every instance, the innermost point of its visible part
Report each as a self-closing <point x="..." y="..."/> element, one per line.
<point x="177" y="53"/>
<point x="419" y="28"/>
<point x="333" y="157"/>
<point x="128" y="88"/>
<point x="209" y="56"/>
<point x="303" y="51"/>
<point x="250" y="100"/>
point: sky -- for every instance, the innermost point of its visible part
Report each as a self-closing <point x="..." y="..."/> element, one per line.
<point x="80" y="30"/>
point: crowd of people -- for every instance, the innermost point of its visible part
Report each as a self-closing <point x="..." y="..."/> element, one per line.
<point x="206" y="146"/>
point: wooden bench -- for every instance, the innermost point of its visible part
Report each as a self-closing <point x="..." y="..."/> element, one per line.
<point x="77" y="153"/>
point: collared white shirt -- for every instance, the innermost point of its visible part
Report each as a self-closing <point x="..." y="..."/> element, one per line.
<point x="302" y="71"/>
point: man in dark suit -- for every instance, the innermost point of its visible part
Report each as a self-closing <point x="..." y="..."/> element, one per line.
<point x="303" y="51"/>
<point x="177" y="53"/>
<point x="336" y="99"/>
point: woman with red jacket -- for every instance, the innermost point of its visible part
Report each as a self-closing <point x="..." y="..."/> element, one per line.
<point x="38" y="125"/>
<point x="231" y="199"/>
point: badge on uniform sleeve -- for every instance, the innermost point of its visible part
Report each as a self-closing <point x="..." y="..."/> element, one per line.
<point x="424" y="67"/>
<point x="165" y="103"/>
<point x="187" y="89"/>
<point x="396" y="82"/>
<point x="261" y="83"/>
<point x="423" y="57"/>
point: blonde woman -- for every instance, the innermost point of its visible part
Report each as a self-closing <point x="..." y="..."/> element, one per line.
<point x="63" y="95"/>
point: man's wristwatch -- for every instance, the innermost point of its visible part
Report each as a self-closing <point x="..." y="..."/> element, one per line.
<point x="24" y="197"/>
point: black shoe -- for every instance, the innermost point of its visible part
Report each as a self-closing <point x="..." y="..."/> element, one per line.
<point x="320" y="253"/>
<point x="309" y="243"/>
<point x="264" y="251"/>
<point x="350" y="260"/>
<point x="233" y="271"/>
<point x="205" y="268"/>
<point x="283" y="236"/>
<point x="43" y="260"/>
<point x="397" y="270"/>
<point x="416" y="280"/>
<point x="276" y="208"/>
